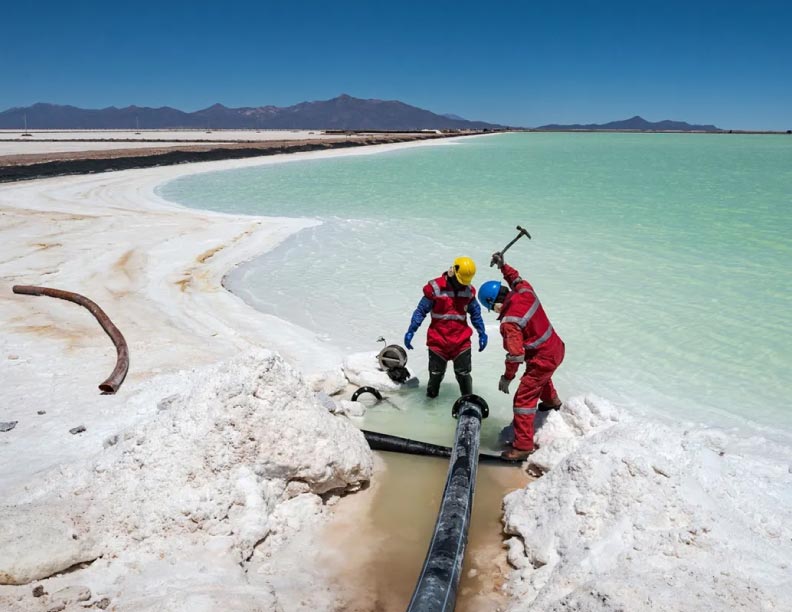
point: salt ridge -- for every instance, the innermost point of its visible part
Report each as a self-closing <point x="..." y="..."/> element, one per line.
<point x="229" y="456"/>
<point x="640" y="515"/>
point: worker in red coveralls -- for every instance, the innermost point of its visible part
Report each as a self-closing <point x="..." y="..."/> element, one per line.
<point x="449" y="299"/>
<point x="529" y="338"/>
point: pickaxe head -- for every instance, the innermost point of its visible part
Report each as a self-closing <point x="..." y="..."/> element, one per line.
<point x="522" y="232"/>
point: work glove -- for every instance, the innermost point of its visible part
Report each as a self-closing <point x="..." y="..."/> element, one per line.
<point x="497" y="260"/>
<point x="503" y="384"/>
<point x="482" y="341"/>
<point x="408" y="340"/>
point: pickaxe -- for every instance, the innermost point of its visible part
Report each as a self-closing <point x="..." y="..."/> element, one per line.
<point x="523" y="232"/>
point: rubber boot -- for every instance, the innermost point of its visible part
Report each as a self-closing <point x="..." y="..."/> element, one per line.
<point x="552" y="405"/>
<point x="433" y="386"/>
<point x="462" y="367"/>
<point x="465" y="384"/>
<point x="437" y="370"/>
<point x="512" y="454"/>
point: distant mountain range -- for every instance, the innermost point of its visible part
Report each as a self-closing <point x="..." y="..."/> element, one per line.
<point x="341" y="113"/>
<point x="635" y="123"/>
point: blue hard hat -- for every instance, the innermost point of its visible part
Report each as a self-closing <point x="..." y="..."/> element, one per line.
<point x="488" y="293"/>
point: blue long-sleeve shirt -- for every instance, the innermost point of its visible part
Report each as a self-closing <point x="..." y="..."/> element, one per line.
<point x="424" y="308"/>
<point x="474" y="310"/>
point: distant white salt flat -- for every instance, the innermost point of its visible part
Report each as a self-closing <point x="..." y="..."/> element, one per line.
<point x="12" y="142"/>
<point x="30" y="147"/>
<point x="201" y="135"/>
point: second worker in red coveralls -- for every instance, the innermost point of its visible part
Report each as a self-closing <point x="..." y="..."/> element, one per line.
<point x="529" y="338"/>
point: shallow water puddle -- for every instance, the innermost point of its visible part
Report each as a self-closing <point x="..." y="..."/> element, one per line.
<point x="385" y="532"/>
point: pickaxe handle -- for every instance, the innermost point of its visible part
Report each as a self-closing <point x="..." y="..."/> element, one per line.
<point x="523" y="232"/>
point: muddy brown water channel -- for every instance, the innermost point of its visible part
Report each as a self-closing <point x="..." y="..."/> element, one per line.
<point x="385" y="533"/>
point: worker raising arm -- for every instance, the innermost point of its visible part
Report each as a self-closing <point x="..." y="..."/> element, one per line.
<point x="529" y="338"/>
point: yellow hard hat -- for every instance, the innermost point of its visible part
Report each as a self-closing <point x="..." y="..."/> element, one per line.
<point x="465" y="270"/>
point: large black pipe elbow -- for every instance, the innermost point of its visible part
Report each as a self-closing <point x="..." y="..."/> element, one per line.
<point x="470" y="405"/>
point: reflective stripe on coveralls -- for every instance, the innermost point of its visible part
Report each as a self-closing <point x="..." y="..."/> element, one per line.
<point x="541" y="340"/>
<point x="465" y="293"/>
<point x="524" y="410"/>
<point x="523" y="321"/>
<point x="449" y="317"/>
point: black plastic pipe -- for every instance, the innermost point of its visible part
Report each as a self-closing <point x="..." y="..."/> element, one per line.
<point x="395" y="444"/>
<point x="387" y="442"/>
<point x="439" y="578"/>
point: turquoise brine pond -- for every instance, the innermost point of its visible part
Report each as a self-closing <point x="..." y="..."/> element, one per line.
<point x="663" y="260"/>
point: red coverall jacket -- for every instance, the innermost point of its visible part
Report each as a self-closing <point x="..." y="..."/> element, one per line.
<point x="449" y="333"/>
<point x="528" y="337"/>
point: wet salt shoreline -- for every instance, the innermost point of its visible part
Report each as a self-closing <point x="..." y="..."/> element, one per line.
<point x="156" y="269"/>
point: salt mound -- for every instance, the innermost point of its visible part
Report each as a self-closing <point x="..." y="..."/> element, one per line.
<point x="329" y="382"/>
<point x="559" y="432"/>
<point x="34" y="544"/>
<point x="215" y="462"/>
<point x="647" y="516"/>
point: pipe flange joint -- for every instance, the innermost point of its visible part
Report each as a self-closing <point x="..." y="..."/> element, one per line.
<point x="472" y="402"/>
<point x="371" y="390"/>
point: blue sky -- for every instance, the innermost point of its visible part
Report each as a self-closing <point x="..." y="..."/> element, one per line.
<point x="520" y="63"/>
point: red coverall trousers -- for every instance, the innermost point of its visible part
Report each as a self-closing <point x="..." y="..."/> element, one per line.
<point x="535" y="385"/>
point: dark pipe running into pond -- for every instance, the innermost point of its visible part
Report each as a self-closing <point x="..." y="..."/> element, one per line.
<point x="436" y="589"/>
<point x="386" y="442"/>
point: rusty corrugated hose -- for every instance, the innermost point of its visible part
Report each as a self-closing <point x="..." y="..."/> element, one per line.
<point x="113" y="382"/>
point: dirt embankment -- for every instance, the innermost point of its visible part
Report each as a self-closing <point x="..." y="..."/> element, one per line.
<point x="31" y="166"/>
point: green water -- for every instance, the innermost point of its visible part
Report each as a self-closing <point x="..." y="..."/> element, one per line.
<point x="664" y="261"/>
